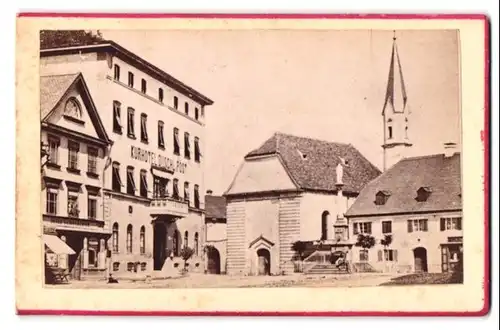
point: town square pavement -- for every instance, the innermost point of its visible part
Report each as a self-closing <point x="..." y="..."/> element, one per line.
<point x="226" y="281"/>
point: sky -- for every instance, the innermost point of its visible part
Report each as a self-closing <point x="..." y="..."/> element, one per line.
<point x="327" y="84"/>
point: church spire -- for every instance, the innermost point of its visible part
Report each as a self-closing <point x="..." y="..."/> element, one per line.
<point x="395" y="96"/>
<point x="395" y="113"/>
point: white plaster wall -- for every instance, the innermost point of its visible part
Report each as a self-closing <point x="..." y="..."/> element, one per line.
<point x="262" y="174"/>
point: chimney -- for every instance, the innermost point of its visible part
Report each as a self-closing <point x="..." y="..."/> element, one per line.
<point x="450" y="148"/>
<point x="209" y="192"/>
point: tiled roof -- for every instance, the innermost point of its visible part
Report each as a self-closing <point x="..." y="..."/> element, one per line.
<point x="439" y="174"/>
<point x="215" y="207"/>
<point x="52" y="89"/>
<point x="312" y="163"/>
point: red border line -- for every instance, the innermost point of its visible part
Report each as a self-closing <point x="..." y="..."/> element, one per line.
<point x="254" y="16"/>
<point x="485" y="136"/>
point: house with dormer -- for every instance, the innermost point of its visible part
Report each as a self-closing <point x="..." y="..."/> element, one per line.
<point x="418" y="203"/>
<point x="413" y="211"/>
<point x="291" y="189"/>
<point x="76" y="148"/>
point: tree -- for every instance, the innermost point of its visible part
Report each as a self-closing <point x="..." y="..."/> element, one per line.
<point x="386" y="241"/>
<point x="68" y="38"/>
<point x="365" y="242"/>
<point x="186" y="254"/>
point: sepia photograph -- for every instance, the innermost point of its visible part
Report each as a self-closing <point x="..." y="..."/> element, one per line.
<point x="231" y="158"/>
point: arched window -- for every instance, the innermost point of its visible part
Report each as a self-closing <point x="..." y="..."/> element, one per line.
<point x="72" y="109"/>
<point x="175" y="243"/>
<point x="186" y="239"/>
<point x="129" y="239"/>
<point x="115" y="237"/>
<point x="406" y="132"/>
<point x="325" y="217"/>
<point x="142" y="240"/>
<point x="196" y="244"/>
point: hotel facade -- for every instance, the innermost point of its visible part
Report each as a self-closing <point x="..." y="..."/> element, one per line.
<point x="153" y="184"/>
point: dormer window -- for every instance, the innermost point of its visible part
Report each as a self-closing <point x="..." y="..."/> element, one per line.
<point x="423" y="194"/>
<point x="382" y="196"/>
<point x="302" y="155"/>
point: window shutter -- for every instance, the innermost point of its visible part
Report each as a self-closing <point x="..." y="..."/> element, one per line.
<point x="395" y="255"/>
<point x="443" y="224"/>
<point x="459" y="223"/>
<point x="380" y="253"/>
<point x="424" y="225"/>
<point x="410" y="226"/>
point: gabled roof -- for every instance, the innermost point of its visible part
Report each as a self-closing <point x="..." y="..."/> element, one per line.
<point x="215" y="207"/>
<point x="312" y="163"/>
<point x="53" y="89"/>
<point x="126" y="55"/>
<point x="436" y="172"/>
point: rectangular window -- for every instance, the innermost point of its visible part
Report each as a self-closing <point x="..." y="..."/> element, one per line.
<point x="116" y="180"/>
<point x="92" y="207"/>
<point x="363" y="255"/>
<point x="451" y="223"/>
<point x="196" y="196"/>
<point x="130" y="122"/>
<point x="73" y="210"/>
<point x="187" y="146"/>
<point x="390" y="255"/>
<point x="186" y="108"/>
<point x="53" y="150"/>
<point x="51" y="202"/>
<point x="144" y="130"/>
<point x="144" y="184"/>
<point x="175" y="193"/>
<point x="144" y="87"/>
<point x="130" y="79"/>
<point x="176" y="141"/>
<point x="130" y="181"/>
<point x="161" y="141"/>
<point x="92" y="154"/>
<point x="176" y="102"/>
<point x="160" y="187"/>
<point x="362" y="228"/>
<point x="117" y="72"/>
<point x="196" y="113"/>
<point x="390" y="132"/>
<point x="386" y="227"/>
<point x="160" y="95"/>
<point x="186" y="191"/>
<point x="73" y="149"/>
<point x="417" y="225"/>
<point x="197" y="150"/>
<point x="117" y="123"/>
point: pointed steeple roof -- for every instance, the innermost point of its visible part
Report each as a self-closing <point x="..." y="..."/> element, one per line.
<point x="395" y="97"/>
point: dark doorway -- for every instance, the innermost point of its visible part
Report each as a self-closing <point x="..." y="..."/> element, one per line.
<point x="264" y="262"/>
<point x="420" y="255"/>
<point x="75" y="260"/>
<point x="213" y="266"/>
<point x="159" y="245"/>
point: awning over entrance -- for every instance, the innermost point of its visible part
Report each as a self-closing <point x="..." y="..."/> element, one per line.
<point x="56" y="245"/>
<point x="160" y="174"/>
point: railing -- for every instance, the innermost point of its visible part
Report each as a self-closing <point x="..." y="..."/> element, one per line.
<point x="170" y="206"/>
<point x="316" y="258"/>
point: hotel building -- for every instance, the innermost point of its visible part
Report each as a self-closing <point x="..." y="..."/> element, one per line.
<point x="153" y="186"/>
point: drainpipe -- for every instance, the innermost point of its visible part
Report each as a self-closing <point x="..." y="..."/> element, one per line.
<point x="107" y="163"/>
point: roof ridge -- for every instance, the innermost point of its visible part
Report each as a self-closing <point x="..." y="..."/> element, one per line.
<point x="61" y="75"/>
<point x="425" y="156"/>
<point x="311" y="138"/>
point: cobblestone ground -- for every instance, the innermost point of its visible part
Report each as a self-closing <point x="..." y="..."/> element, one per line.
<point x="224" y="281"/>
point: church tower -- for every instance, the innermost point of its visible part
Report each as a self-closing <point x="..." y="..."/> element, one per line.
<point x="395" y="113"/>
